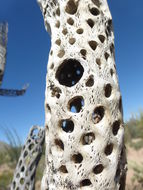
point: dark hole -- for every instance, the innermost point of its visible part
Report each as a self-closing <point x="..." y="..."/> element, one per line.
<point x="71" y="7"/>
<point x="58" y="11"/>
<point x="76" y="104"/>
<point x="72" y="41"/>
<point x="94" y="11"/>
<point x="108" y="149"/>
<point x="108" y="90"/>
<point x="109" y="27"/>
<point x="85" y="182"/>
<point x="58" y="24"/>
<point x="58" y="42"/>
<point x="70" y="21"/>
<point x="112" y="49"/>
<point x="31" y="146"/>
<point x="65" y="31"/>
<point x="115" y="127"/>
<point x="90" y="81"/>
<point x="67" y="126"/>
<point x="90" y="23"/>
<point x="98" y="169"/>
<point x="79" y="31"/>
<point x="20" y="162"/>
<point x="63" y="169"/>
<point x="22" y="169"/>
<point x="1" y="71"/>
<point x="106" y="55"/>
<point x="88" y="138"/>
<point x="98" y="114"/>
<point x="83" y="53"/>
<point x="25" y="154"/>
<point x="59" y="143"/>
<point x="93" y="44"/>
<point x="77" y="158"/>
<point x="70" y="72"/>
<point x="61" y="53"/>
<point x="32" y="166"/>
<point x="22" y="181"/>
<point x="14" y="184"/>
<point x="98" y="61"/>
<point x="120" y="105"/>
<point x="101" y="38"/>
<point x="111" y="72"/>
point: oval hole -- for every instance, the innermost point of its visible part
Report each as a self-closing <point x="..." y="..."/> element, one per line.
<point x="85" y="182"/>
<point x="70" y="72"/>
<point x="88" y="138"/>
<point x="67" y="126"/>
<point x="98" y="169"/>
<point x="115" y="127"/>
<point x="76" y="104"/>
<point x="98" y="114"/>
<point x="77" y="158"/>
<point x="94" y="11"/>
<point x="108" y="150"/>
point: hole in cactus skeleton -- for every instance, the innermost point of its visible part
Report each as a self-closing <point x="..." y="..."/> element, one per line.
<point x="108" y="90"/>
<point x="67" y="126"/>
<point x="115" y="127"/>
<point x="76" y="104"/>
<point x="71" y="7"/>
<point x="90" y="22"/>
<point x="98" y="114"/>
<point x="93" y="44"/>
<point x="85" y="182"/>
<point x="77" y="158"/>
<point x="59" y="143"/>
<point x="90" y="81"/>
<point x="70" y="72"/>
<point x="108" y="149"/>
<point x="94" y="11"/>
<point x="98" y="169"/>
<point x="63" y="169"/>
<point x="88" y="138"/>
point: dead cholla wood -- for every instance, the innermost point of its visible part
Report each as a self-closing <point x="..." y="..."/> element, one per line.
<point x="24" y="176"/>
<point x="84" y="121"/>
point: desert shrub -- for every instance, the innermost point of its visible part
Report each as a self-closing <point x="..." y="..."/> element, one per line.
<point x="138" y="173"/>
<point x="5" y="180"/>
<point x="134" y="128"/>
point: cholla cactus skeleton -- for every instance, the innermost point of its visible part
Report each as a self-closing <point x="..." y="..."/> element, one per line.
<point x="84" y="124"/>
<point x="24" y="176"/>
<point x="3" y="47"/>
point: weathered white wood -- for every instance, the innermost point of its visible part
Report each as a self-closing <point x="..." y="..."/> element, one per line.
<point x="84" y="122"/>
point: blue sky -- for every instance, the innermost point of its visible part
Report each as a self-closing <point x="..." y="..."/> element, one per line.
<point x="28" y="48"/>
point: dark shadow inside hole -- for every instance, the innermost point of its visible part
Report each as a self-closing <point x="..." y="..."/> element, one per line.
<point x="63" y="169"/>
<point x="70" y="72"/>
<point x="59" y="143"/>
<point x="76" y="104"/>
<point x="90" y="81"/>
<point x="108" y="149"/>
<point x="98" y="169"/>
<point x="101" y="38"/>
<point x="108" y="90"/>
<point x="71" y="7"/>
<point x="93" y="44"/>
<point x="77" y="158"/>
<point x="115" y="127"/>
<point x="88" y="138"/>
<point x="67" y="126"/>
<point x="85" y="182"/>
<point x="98" y="114"/>
<point x="96" y="2"/>
<point x="90" y="23"/>
<point x="94" y="11"/>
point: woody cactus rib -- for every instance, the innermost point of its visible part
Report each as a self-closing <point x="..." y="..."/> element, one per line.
<point x="84" y="122"/>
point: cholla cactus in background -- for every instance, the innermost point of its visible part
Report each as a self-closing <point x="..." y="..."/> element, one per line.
<point x="84" y="122"/>
<point x="24" y="176"/>
<point x="3" y="52"/>
<point x="3" y="48"/>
